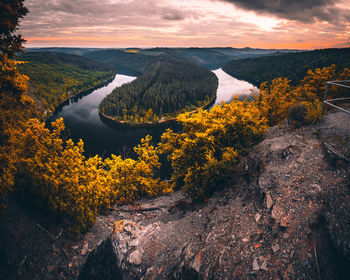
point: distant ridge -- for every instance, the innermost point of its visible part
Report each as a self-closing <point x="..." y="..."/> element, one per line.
<point x="290" y="65"/>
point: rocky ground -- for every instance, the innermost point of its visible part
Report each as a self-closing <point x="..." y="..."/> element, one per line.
<point x="284" y="215"/>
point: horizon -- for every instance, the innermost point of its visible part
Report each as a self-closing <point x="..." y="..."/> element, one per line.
<point x="259" y="24"/>
<point x="158" y="47"/>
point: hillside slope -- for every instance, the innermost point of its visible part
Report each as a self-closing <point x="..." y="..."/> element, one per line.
<point x="290" y="65"/>
<point x="56" y="76"/>
<point x="206" y="57"/>
<point x="65" y="50"/>
<point x="133" y="64"/>
<point x="285" y="214"/>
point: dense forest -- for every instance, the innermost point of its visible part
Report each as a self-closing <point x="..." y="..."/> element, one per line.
<point x="66" y="50"/>
<point x="293" y="66"/>
<point x="56" y="76"/>
<point x="166" y="88"/>
<point x="205" y="57"/>
<point x="247" y="52"/>
<point x="212" y="58"/>
<point x="128" y="63"/>
<point x="135" y="61"/>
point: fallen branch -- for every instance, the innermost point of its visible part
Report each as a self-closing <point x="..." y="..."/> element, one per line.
<point x="45" y="230"/>
<point x="333" y="154"/>
<point x="318" y="268"/>
<point x="22" y="262"/>
<point x="65" y="253"/>
<point x="59" y="234"/>
<point x="137" y="209"/>
<point x="49" y="233"/>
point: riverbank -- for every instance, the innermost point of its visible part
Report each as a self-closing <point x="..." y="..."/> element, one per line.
<point x="104" y="136"/>
<point x="111" y="121"/>
<point x="79" y="96"/>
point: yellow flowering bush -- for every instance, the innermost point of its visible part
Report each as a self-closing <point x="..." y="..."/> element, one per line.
<point x="210" y="144"/>
<point x="15" y="106"/>
<point x="274" y="100"/>
<point x="277" y="98"/>
<point x="131" y="178"/>
<point x="55" y="175"/>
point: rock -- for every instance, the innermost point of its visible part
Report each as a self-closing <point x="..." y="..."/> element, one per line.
<point x="135" y="257"/>
<point x="196" y="263"/>
<point x="277" y="212"/>
<point x="264" y="265"/>
<point x="223" y="238"/>
<point x="316" y="187"/>
<point x="285" y="153"/>
<point x="255" y="264"/>
<point x="337" y="216"/>
<point x="275" y="248"/>
<point x="85" y="248"/>
<point x="286" y="221"/>
<point x="269" y="201"/>
<point x="333" y="156"/>
<point x="257" y="217"/>
<point x="290" y="269"/>
<point x="291" y="255"/>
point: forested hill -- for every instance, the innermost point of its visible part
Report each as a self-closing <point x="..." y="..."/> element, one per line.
<point x="56" y="76"/>
<point x="290" y="65"/>
<point x="210" y="58"/>
<point x="124" y="62"/>
<point x="66" y="50"/>
<point x="134" y="61"/>
<point x="206" y="57"/>
<point x="247" y="52"/>
<point x="166" y="88"/>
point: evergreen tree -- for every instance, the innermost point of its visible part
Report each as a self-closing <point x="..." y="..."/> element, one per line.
<point x="14" y="103"/>
<point x="11" y="12"/>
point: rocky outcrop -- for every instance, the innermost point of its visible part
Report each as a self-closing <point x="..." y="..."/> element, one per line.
<point x="284" y="214"/>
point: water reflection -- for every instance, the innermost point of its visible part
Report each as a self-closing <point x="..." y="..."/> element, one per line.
<point x="101" y="137"/>
<point x="229" y="86"/>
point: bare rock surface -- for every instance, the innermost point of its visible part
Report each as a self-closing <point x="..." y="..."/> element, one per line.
<point x="284" y="215"/>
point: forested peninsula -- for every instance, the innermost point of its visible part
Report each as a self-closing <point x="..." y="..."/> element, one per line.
<point x="165" y="89"/>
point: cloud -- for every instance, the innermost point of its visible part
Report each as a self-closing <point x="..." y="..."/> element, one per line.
<point x="121" y="23"/>
<point x="306" y="11"/>
<point x="173" y="16"/>
<point x="53" y="15"/>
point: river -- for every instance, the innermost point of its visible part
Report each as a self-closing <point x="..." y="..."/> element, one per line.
<point x="230" y="86"/>
<point x="83" y="121"/>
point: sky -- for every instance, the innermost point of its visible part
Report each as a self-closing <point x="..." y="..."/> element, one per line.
<point x="293" y="24"/>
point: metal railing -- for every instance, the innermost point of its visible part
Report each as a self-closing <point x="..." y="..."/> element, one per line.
<point x="328" y="102"/>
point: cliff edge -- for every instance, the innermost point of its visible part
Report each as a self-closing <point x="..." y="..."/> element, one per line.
<point x="283" y="215"/>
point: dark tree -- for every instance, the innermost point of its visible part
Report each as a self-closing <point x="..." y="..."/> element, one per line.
<point x="11" y="11"/>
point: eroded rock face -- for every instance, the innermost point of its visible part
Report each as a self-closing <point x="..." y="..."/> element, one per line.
<point x="289" y="218"/>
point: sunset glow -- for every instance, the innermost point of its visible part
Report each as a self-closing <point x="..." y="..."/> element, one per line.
<point x="304" y="24"/>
